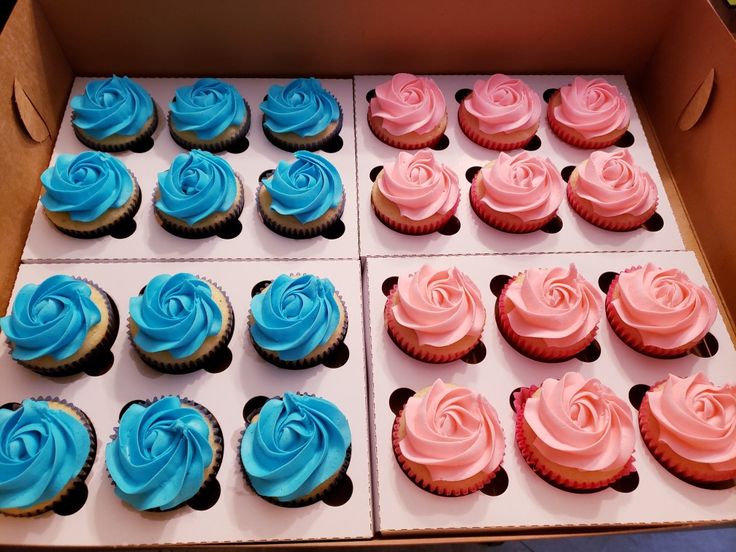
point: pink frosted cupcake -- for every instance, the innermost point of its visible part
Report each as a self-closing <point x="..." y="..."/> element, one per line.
<point x="608" y="190"/>
<point x="415" y="194"/>
<point x="517" y="193"/>
<point x="501" y="113"/>
<point x="549" y="314"/>
<point x="575" y="432"/>
<point x="689" y="425"/>
<point x="435" y="315"/>
<point x="408" y="112"/>
<point x="448" y="439"/>
<point x="659" y="312"/>
<point x="589" y="114"/>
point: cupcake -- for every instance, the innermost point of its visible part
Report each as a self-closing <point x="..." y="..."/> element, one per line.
<point x="113" y="114"/>
<point x="297" y="321"/>
<point x="163" y="453"/>
<point x="180" y="322"/>
<point x="303" y="198"/>
<point x="517" y="193"/>
<point x="448" y="440"/>
<point x="588" y="113"/>
<point x="408" y="112"/>
<point x="435" y="315"/>
<point x="608" y="190"/>
<point x="47" y="448"/>
<point x="210" y="115"/>
<point x="689" y="425"/>
<point x="296" y="449"/>
<point x="549" y="314"/>
<point x="501" y="113"/>
<point x="415" y="194"/>
<point x="198" y="196"/>
<point x="659" y="312"/>
<point x="60" y="326"/>
<point x="301" y="115"/>
<point x="89" y="195"/>
<point x="575" y="433"/>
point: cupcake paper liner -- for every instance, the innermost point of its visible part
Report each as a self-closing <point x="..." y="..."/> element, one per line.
<point x="299" y="503"/>
<point x="299" y="232"/>
<point x="631" y="337"/>
<point x="563" y="134"/>
<point x="199" y="362"/>
<point x="615" y="224"/>
<point x="535" y="462"/>
<point x="416" y="228"/>
<point x="531" y="350"/>
<point x="146" y="133"/>
<point x="80" y="478"/>
<point x="109" y="228"/>
<point x="307" y="362"/>
<point x="483" y="140"/>
<point x="317" y="143"/>
<point x="680" y="467"/>
<point x="217" y="451"/>
<point x="213" y="147"/>
<point x="81" y="364"/>
<point x="396" y="142"/>
<point x="434" y="487"/>
<point x="183" y="230"/>
<point x="396" y="332"/>
<point x="487" y="215"/>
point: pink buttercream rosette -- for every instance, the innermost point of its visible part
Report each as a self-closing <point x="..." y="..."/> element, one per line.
<point x="693" y="429"/>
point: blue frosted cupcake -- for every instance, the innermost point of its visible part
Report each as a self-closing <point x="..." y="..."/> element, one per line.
<point x="113" y="114"/>
<point x="165" y="453"/>
<point x="295" y="450"/>
<point x="180" y="323"/>
<point x="297" y="321"/>
<point x="301" y="115"/>
<point x="61" y="326"/>
<point x="301" y="199"/>
<point x="89" y="195"/>
<point x="199" y="196"/>
<point x="209" y="115"/>
<point x="47" y="448"/>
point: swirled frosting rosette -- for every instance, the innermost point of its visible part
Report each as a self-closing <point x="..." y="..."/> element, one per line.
<point x="549" y="314"/>
<point x="113" y="114"/>
<point x="408" y="112"/>
<point x="198" y="195"/>
<point x="501" y="113"/>
<point x="689" y="425"/>
<point x="47" y="447"/>
<point x="89" y="194"/>
<point x="163" y="453"/>
<point x="180" y="322"/>
<point x="60" y="326"/>
<point x="588" y="113"/>
<point x="209" y="115"/>
<point x="610" y="191"/>
<point x="517" y="193"/>
<point x="415" y="193"/>
<point x="297" y="321"/>
<point x="301" y="115"/>
<point x="435" y="315"/>
<point x="302" y="198"/>
<point x="659" y="312"/>
<point x="295" y="449"/>
<point x="575" y="432"/>
<point x="448" y="439"/>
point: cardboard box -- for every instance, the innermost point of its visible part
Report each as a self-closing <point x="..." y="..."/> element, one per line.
<point x="678" y="57"/>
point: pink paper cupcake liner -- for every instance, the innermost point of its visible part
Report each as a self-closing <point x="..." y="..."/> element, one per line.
<point x="520" y="398"/>
<point x="488" y="216"/>
<point x="416" y="229"/>
<point x="614" y="224"/>
<point x="563" y="134"/>
<point x="484" y="141"/>
<point x="395" y="330"/>
<point x="434" y="487"/>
